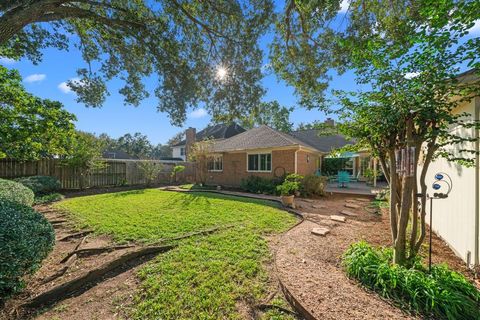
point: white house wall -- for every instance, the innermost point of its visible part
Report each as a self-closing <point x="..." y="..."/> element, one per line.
<point x="454" y="218"/>
<point x="176" y="152"/>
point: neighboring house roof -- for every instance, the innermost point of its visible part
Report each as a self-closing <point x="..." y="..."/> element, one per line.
<point x="258" y="138"/>
<point x="171" y="159"/>
<point x="116" y="154"/>
<point x="322" y="143"/>
<point x="218" y="131"/>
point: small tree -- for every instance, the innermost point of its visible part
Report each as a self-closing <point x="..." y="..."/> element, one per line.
<point x="85" y="155"/>
<point x="151" y="170"/>
<point x="175" y="171"/>
<point x="200" y="154"/>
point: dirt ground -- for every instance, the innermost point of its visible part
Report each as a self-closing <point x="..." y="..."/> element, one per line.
<point x="109" y="299"/>
<point x="310" y="265"/>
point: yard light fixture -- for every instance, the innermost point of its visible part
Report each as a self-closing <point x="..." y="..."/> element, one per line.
<point x="441" y="180"/>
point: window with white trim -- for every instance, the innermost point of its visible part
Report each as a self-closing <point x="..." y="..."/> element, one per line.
<point x="259" y="162"/>
<point x="182" y="151"/>
<point x="215" y="163"/>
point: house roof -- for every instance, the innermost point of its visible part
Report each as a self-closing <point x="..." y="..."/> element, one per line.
<point x="265" y="137"/>
<point x="117" y="154"/>
<point x="218" y="131"/>
<point x="258" y="138"/>
<point x="321" y="143"/>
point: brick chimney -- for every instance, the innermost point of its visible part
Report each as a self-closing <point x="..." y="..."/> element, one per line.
<point x="190" y="135"/>
<point x="330" y="122"/>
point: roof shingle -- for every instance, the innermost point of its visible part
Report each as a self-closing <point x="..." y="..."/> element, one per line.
<point x="265" y="137"/>
<point x="218" y="131"/>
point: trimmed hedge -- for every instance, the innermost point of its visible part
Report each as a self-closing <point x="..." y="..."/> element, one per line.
<point x="255" y="184"/>
<point x="26" y="238"/>
<point x="441" y="294"/>
<point x="17" y="192"/>
<point x="40" y="185"/>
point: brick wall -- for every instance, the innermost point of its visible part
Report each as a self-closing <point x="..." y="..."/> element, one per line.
<point x="190" y="135"/>
<point x="235" y="168"/>
<point x="307" y="162"/>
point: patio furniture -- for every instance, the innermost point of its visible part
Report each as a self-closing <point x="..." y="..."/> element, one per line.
<point x="355" y="179"/>
<point x="343" y="178"/>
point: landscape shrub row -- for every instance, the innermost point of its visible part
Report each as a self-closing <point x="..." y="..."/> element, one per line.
<point x="308" y="186"/>
<point x="441" y="294"/>
<point x="40" y="185"/>
<point x="16" y="192"/>
<point x="255" y="184"/>
<point x="26" y="238"/>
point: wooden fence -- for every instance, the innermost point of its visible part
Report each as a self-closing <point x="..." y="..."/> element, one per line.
<point x="112" y="173"/>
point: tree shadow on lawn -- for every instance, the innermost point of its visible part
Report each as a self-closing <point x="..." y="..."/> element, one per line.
<point x="127" y="193"/>
<point x="197" y="197"/>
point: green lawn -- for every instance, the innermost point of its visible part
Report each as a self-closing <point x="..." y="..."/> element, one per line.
<point x="205" y="276"/>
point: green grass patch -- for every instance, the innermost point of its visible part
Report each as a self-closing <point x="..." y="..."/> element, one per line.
<point x="149" y="215"/>
<point x="441" y="294"/>
<point x="205" y="276"/>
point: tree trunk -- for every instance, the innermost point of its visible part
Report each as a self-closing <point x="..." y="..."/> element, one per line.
<point x="13" y="21"/>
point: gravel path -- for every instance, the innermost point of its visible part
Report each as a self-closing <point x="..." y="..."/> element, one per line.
<point x="310" y="267"/>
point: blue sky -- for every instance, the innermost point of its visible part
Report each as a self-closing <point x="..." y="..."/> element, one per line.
<point x="47" y="80"/>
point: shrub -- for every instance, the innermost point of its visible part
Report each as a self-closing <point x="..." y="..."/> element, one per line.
<point x="255" y="184"/>
<point x="383" y="195"/>
<point x="151" y="171"/>
<point x="313" y="185"/>
<point x="17" y="192"/>
<point x="441" y="294"/>
<point x="176" y="170"/>
<point x="40" y="185"/>
<point x="49" y="198"/>
<point x="290" y="185"/>
<point x="26" y="239"/>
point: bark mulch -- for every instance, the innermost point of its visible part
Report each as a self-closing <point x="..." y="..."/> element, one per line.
<point x="310" y="265"/>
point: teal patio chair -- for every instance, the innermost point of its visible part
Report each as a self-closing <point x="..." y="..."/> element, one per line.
<point x="343" y="179"/>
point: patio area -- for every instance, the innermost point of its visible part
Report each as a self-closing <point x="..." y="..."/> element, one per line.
<point x="360" y="188"/>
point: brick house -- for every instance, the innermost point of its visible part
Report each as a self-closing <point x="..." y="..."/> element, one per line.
<point x="268" y="153"/>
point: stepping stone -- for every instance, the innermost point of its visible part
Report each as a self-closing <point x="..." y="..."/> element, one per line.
<point x="362" y="199"/>
<point x="319" y="206"/>
<point x="351" y="201"/>
<point x="348" y="213"/>
<point x="352" y="206"/>
<point x="320" y="231"/>
<point x="338" y="218"/>
<point x="308" y="200"/>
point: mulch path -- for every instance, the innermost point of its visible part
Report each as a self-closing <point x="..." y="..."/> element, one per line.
<point x="310" y="265"/>
<point x="109" y="299"/>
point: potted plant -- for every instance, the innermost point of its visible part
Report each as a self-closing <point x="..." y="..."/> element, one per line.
<point x="288" y="188"/>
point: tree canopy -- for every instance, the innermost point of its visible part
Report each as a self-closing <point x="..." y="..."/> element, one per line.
<point x="30" y="127"/>
<point x="137" y="145"/>
<point x="314" y="37"/>
<point x="269" y="113"/>
<point x="406" y="57"/>
<point x="182" y="44"/>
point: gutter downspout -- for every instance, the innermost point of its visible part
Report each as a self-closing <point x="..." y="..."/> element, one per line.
<point x="296" y="161"/>
<point x="477" y="184"/>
